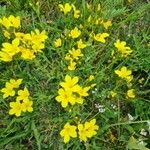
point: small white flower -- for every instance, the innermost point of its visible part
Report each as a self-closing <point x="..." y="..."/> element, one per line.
<point x="143" y="132"/>
<point x="130" y="117"/>
<point x="113" y="106"/>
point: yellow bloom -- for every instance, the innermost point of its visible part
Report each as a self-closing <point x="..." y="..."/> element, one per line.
<point x="58" y="42"/>
<point x="98" y="7"/>
<point x="83" y="91"/>
<point x="72" y="65"/>
<point x="37" y="37"/>
<point x="130" y="93"/>
<point x="91" y="77"/>
<point x="23" y="94"/>
<point x="97" y="21"/>
<point x="122" y="48"/>
<point x="6" y="34"/>
<point x="75" y="33"/>
<point x="27" y="105"/>
<point x="5" y="22"/>
<point x="89" y="19"/>
<point x="9" y="50"/>
<point x="76" y="12"/>
<point x="66" y="8"/>
<point x="70" y="83"/>
<point x="87" y="130"/>
<point x="15" y="83"/>
<point x="75" y="54"/>
<point x="65" y="97"/>
<point x="11" y="21"/>
<point x="80" y="44"/>
<point x="100" y="37"/>
<point x="4" y="56"/>
<point x="141" y="80"/>
<point x="16" y="108"/>
<point x="8" y="90"/>
<point x="113" y="94"/>
<point x="107" y="24"/>
<point x="123" y="73"/>
<point x="15" y="21"/>
<point x="68" y="131"/>
<point x="91" y="128"/>
<point x="27" y="53"/>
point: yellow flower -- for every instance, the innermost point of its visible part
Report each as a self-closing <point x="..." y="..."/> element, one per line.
<point x="141" y="80"/>
<point x="9" y="50"/>
<point x="37" y="37"/>
<point x="58" y="42"/>
<point x="98" y="7"/>
<point x="15" y="83"/>
<point x="65" y="97"/>
<point x="68" y="131"/>
<point x="66" y="8"/>
<point x="27" y="54"/>
<point x="23" y="94"/>
<point x="75" y="54"/>
<point x="91" y="128"/>
<point x="6" y="34"/>
<point x="89" y="19"/>
<point x="122" y="48"/>
<point x="16" y="108"/>
<point x="5" y="22"/>
<point x="72" y="66"/>
<point x="87" y="130"/>
<point x="91" y="77"/>
<point x="75" y="33"/>
<point x="80" y="44"/>
<point x="113" y="94"/>
<point x="97" y="21"/>
<point x="70" y="83"/>
<point x="8" y="90"/>
<point x="76" y="12"/>
<point x="100" y="37"/>
<point x="124" y="73"/>
<point x="4" y="56"/>
<point x="107" y="24"/>
<point x="15" y="21"/>
<point x="11" y="21"/>
<point x="83" y="91"/>
<point x="27" y="105"/>
<point x="130" y="93"/>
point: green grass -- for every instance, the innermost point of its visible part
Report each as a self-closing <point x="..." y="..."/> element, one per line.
<point x="40" y="129"/>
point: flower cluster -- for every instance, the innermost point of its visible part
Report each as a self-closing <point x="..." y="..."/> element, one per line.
<point x="71" y="92"/>
<point x="27" y="45"/>
<point x="122" y="48"/>
<point x="68" y="7"/>
<point x="126" y="74"/>
<point x="22" y="103"/>
<point x="85" y="131"/>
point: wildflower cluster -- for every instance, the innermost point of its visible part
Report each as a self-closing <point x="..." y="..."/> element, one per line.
<point x="71" y="92"/>
<point x="25" y="45"/>
<point x="22" y="103"/>
<point x="122" y="48"/>
<point x="126" y="74"/>
<point x="84" y="131"/>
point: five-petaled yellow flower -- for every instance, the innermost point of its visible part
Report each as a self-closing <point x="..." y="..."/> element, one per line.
<point x="68" y="131"/>
<point x="87" y="130"/>
<point x="124" y="73"/>
<point x="100" y="37"/>
<point x="66" y="8"/>
<point x="130" y="93"/>
<point x="75" y="33"/>
<point x="122" y="48"/>
<point x="58" y="42"/>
